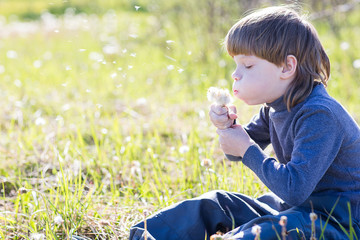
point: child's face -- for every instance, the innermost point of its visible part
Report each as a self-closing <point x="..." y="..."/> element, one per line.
<point x="257" y="81"/>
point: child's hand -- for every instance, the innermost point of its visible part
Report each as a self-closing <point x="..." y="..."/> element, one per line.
<point x="222" y="116"/>
<point x="234" y="140"/>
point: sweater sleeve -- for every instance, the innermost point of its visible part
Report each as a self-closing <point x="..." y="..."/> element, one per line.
<point x="258" y="128"/>
<point x="317" y="140"/>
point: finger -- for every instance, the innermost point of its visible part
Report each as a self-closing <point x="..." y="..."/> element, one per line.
<point x="218" y="109"/>
<point x="232" y="112"/>
<point x="232" y="108"/>
<point x="215" y="118"/>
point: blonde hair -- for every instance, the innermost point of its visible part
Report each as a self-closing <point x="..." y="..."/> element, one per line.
<point x="274" y="33"/>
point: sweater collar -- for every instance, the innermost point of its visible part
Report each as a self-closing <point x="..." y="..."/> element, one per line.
<point x="278" y="105"/>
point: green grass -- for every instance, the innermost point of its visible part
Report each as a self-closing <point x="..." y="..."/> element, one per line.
<point x="101" y="141"/>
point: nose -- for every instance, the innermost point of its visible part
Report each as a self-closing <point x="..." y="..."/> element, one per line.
<point x="236" y="75"/>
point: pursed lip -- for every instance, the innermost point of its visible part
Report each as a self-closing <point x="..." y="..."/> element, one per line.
<point x="235" y="92"/>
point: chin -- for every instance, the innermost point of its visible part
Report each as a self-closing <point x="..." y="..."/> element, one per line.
<point x="251" y="103"/>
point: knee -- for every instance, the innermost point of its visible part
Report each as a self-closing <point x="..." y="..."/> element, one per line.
<point x="214" y="194"/>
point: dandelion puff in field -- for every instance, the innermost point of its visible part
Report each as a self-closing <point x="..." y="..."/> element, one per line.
<point x="58" y="220"/>
<point x="256" y="230"/>
<point x="205" y="162"/>
<point x="37" y="236"/>
<point x="356" y="63"/>
<point x="313" y="216"/>
<point x="344" y="45"/>
<point x="22" y="190"/>
<point x="184" y="149"/>
<point x="219" y="96"/>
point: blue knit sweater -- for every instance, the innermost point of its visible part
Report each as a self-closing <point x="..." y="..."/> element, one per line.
<point x="317" y="146"/>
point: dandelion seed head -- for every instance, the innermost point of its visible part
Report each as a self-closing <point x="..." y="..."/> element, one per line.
<point x="222" y="63"/>
<point x="22" y="190"/>
<point x="283" y="221"/>
<point x="11" y="54"/>
<point x="141" y="102"/>
<point x="183" y="149"/>
<point x="256" y="230"/>
<point x="58" y="220"/>
<point x="356" y="63"/>
<point x="113" y="75"/>
<point x="122" y="150"/>
<point x="344" y="45"/>
<point x="18" y="83"/>
<point x="313" y="216"/>
<point x="40" y="121"/>
<point x="206" y="163"/>
<point x="219" y="96"/>
<point x="37" y="64"/>
<point x="37" y="236"/>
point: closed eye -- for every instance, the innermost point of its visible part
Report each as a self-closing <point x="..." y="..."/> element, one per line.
<point x="249" y="66"/>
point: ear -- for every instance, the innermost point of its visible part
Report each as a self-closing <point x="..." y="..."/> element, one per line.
<point x="289" y="67"/>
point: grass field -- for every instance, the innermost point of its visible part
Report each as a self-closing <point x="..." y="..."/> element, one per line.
<point x="104" y="112"/>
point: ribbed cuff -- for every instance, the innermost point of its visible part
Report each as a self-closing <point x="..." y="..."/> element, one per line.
<point x="233" y="158"/>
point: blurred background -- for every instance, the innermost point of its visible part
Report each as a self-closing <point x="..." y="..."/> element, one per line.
<point x="104" y="112"/>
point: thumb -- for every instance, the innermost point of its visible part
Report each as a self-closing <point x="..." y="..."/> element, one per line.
<point x="232" y="112"/>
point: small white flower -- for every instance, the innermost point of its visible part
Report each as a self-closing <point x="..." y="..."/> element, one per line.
<point x="137" y="8"/>
<point x="58" y="220"/>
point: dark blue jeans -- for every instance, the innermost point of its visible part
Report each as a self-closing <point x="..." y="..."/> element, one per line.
<point x="236" y="214"/>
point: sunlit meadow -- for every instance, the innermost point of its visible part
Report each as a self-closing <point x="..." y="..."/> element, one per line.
<point x="104" y="113"/>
